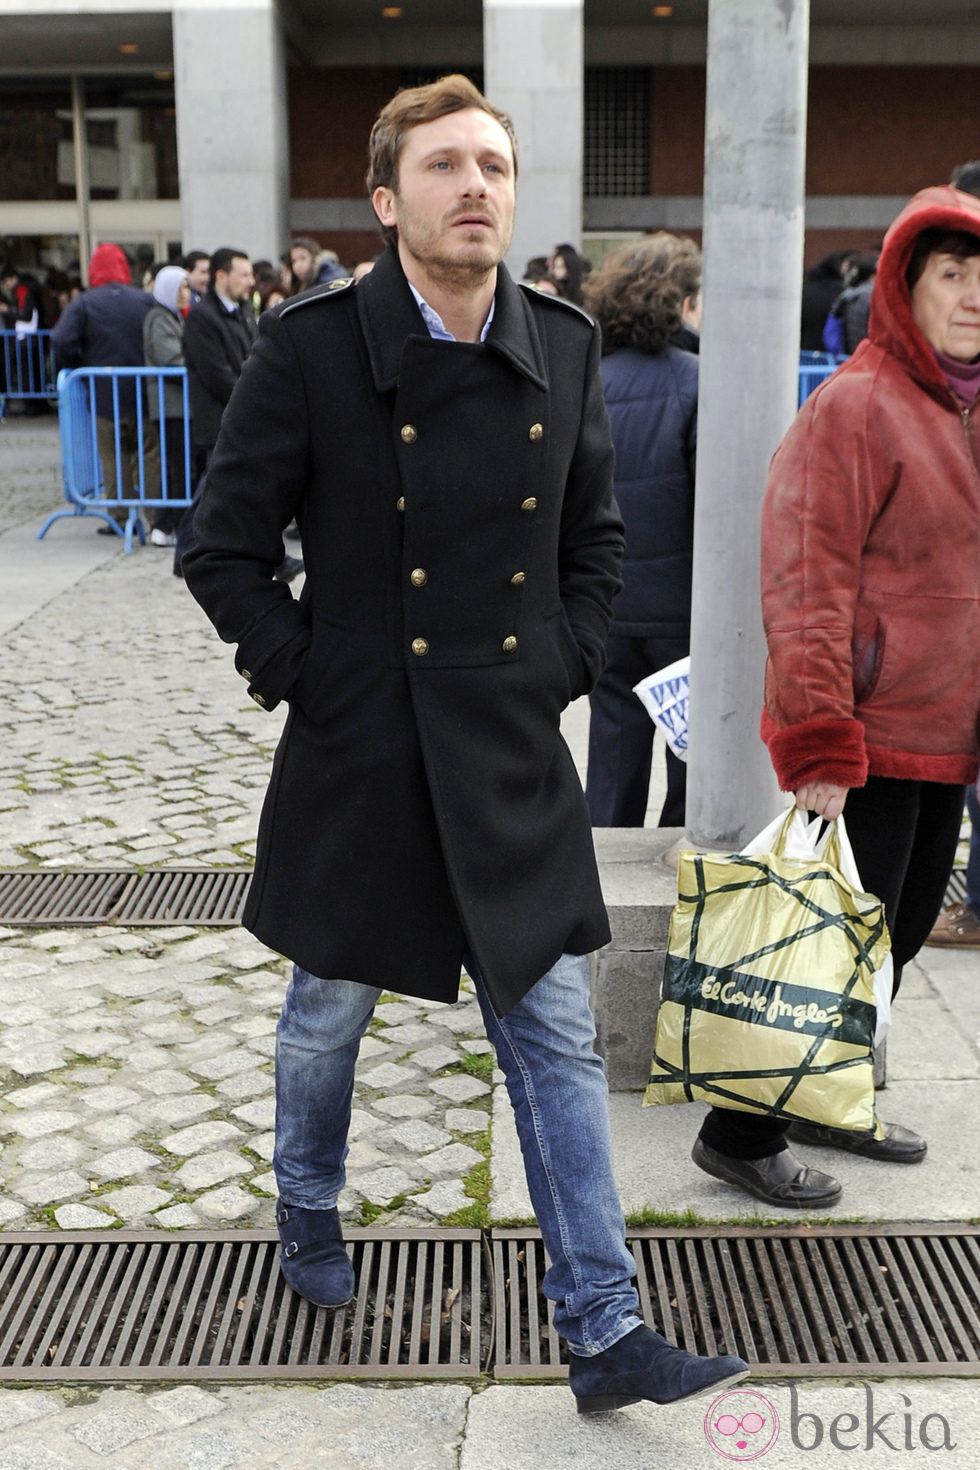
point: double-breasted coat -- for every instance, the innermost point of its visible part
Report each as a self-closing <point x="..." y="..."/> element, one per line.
<point x="462" y="547"/>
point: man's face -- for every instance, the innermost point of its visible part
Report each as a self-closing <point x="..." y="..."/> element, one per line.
<point x="454" y="204"/>
<point x="238" y="280"/>
<point x="199" y="275"/>
<point x="302" y="262"/>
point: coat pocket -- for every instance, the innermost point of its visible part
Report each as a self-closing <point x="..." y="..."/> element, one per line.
<point x="867" y="657"/>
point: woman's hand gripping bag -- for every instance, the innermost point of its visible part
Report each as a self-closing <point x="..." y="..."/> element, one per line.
<point x="768" y="1002"/>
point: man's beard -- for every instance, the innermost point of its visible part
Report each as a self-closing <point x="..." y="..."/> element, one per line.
<point x="456" y="270"/>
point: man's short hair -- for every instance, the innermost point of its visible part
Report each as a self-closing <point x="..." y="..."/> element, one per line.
<point x="189" y="261"/>
<point x="410" y="107"/>
<point x="222" y="258"/>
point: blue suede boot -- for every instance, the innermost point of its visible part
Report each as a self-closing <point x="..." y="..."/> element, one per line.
<point x="313" y="1259"/>
<point x="644" y="1365"/>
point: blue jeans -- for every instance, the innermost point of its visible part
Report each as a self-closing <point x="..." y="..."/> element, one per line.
<point x="557" y="1087"/>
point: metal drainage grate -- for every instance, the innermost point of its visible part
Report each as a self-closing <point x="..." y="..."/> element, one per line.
<point x="811" y="1301"/>
<point x="130" y="1305"/>
<point x="805" y="1302"/>
<point x="121" y="896"/>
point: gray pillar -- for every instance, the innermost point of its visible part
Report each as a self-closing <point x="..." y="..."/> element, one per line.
<point x="753" y="252"/>
<point x="232" y="137"/>
<point x="532" y="69"/>
<point x="80" y="152"/>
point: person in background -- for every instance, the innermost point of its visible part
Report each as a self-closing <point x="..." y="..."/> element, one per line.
<point x="871" y="606"/>
<point x="821" y="287"/>
<point x="639" y="296"/>
<point x="197" y="264"/>
<point x="218" y="337"/>
<point x="104" y="328"/>
<point x="163" y="346"/>
<point x="312" y="265"/>
<point x="847" y="324"/>
<point x="568" y="269"/>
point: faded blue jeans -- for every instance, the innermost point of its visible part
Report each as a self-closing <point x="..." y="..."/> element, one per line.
<point x="557" y="1087"/>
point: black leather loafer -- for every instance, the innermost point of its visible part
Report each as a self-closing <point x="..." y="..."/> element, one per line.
<point x="779" y="1179"/>
<point x="644" y="1365"/>
<point x="897" y="1145"/>
<point x="313" y="1260"/>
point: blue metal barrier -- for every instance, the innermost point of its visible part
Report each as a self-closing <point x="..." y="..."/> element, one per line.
<point x="114" y="460"/>
<point x="25" y="367"/>
<point x="814" y="367"/>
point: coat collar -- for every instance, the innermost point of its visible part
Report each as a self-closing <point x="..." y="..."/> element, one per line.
<point x="389" y="315"/>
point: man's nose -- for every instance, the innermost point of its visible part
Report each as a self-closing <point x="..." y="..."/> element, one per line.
<point x="472" y="179"/>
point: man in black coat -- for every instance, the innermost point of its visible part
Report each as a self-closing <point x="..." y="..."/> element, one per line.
<point x="440" y="436"/>
<point x="218" y="336"/>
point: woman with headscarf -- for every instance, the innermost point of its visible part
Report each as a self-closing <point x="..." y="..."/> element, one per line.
<point x="163" y="346"/>
<point x="871" y="605"/>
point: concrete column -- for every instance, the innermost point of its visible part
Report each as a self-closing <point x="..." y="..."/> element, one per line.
<point x="753" y="255"/>
<point x="532" y="67"/>
<point x="232" y="137"/>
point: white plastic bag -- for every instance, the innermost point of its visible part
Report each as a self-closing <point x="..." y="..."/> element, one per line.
<point x="665" y="698"/>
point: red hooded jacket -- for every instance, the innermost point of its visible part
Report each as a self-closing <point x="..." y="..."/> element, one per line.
<point x="871" y="553"/>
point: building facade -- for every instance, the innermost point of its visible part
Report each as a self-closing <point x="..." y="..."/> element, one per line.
<point x="244" y="122"/>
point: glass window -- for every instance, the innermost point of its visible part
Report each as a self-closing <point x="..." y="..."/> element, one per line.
<point x="617" y="131"/>
<point x="130" y="127"/>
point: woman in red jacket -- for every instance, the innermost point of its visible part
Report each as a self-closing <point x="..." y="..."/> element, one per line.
<point x="871" y="605"/>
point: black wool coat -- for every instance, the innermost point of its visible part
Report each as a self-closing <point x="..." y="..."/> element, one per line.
<point x="216" y="344"/>
<point x="462" y="547"/>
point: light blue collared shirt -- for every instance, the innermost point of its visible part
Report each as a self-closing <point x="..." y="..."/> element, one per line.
<point x="435" y="323"/>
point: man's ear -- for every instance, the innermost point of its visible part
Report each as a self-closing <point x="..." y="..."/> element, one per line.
<point x="383" y="200"/>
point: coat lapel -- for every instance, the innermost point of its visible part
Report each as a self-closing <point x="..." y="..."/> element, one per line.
<point x="389" y="315"/>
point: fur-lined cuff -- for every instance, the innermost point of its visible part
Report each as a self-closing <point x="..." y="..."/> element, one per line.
<point x="816" y="750"/>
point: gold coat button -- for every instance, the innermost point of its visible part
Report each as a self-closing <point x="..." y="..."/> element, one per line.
<point x="517" y="579"/>
<point x="409" y="433"/>
<point x="509" y="645"/>
<point x="400" y="503"/>
<point x="258" y="699"/>
<point x="419" y="577"/>
<point x="420" y="647"/>
<point x="245" y="673"/>
<point x="535" y="432"/>
<point x="529" y="504"/>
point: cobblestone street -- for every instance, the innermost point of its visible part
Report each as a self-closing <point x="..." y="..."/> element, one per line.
<point x="137" y="1065"/>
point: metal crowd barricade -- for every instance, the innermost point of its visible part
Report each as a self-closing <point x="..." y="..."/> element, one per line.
<point x="139" y="473"/>
<point x="814" y="367"/>
<point x="25" y="367"/>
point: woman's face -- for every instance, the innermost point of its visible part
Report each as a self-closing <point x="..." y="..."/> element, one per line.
<point x="183" y="295"/>
<point x="301" y="261"/>
<point x="946" y="305"/>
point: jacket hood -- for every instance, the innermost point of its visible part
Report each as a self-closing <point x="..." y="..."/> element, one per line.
<point x="891" y="325"/>
<point x="109" y="267"/>
<point x="166" y="284"/>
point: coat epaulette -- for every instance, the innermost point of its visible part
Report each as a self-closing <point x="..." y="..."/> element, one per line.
<point x="317" y="293"/>
<point x="552" y="300"/>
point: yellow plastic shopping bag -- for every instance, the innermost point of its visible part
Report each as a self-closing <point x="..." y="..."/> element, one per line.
<point x="768" y="1001"/>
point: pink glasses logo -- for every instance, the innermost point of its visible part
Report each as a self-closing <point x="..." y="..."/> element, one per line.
<point x="741" y="1424"/>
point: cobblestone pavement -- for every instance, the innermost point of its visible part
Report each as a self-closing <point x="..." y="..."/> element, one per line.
<point x="136" y="1065"/>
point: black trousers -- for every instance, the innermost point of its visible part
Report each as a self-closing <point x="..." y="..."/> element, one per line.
<point x="904" y="836"/>
<point x="621" y="733"/>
